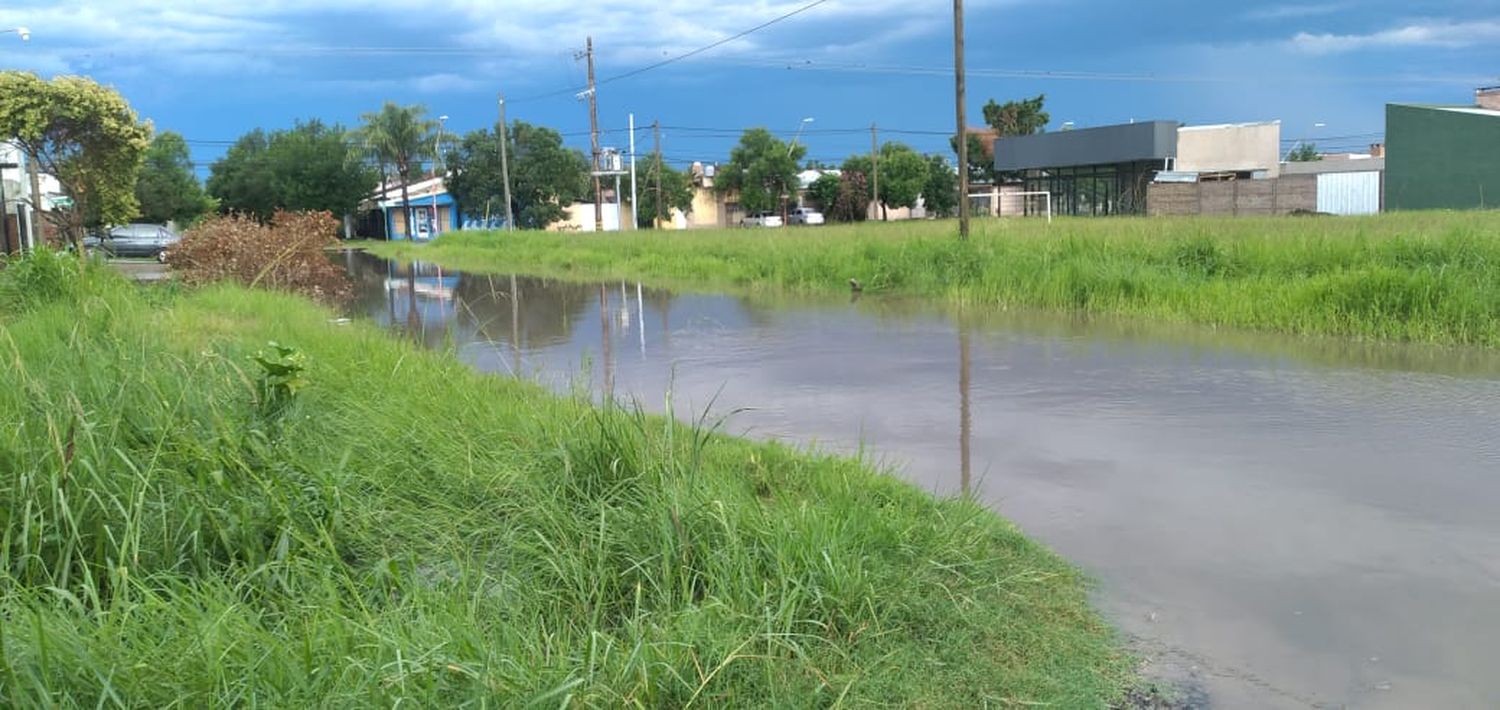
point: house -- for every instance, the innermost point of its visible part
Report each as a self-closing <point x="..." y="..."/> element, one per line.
<point x="15" y="196"/>
<point x="433" y="210"/>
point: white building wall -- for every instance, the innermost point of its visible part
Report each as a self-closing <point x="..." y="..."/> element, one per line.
<point x="1349" y="193"/>
<point x="1239" y="147"/>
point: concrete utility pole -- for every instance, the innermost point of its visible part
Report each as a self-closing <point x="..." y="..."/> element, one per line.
<point x="656" y="139"/>
<point x="594" y="137"/>
<point x="634" y="221"/>
<point x="875" y="169"/>
<point x="510" y="218"/>
<point x="34" y="221"/>
<point x="963" y="129"/>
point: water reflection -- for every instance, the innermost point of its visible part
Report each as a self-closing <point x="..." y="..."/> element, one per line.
<point x="1266" y="514"/>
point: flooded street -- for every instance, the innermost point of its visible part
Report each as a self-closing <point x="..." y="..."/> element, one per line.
<point x="1274" y="521"/>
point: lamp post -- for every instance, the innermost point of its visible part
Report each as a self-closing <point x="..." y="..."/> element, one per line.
<point x="437" y="152"/>
<point x="31" y="199"/>
<point x="793" y="145"/>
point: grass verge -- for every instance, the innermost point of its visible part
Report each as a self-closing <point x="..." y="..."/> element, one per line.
<point x="1424" y="277"/>
<point x="193" y="518"/>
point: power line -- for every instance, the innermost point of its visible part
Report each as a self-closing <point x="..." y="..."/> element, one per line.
<point x="685" y="55"/>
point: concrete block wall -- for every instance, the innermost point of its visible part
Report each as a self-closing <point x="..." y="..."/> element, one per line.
<point x="1276" y="196"/>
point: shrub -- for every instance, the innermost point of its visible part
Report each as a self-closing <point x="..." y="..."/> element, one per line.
<point x="39" y="277"/>
<point x="284" y="254"/>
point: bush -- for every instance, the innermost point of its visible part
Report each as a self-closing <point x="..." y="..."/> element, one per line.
<point x="37" y="278"/>
<point x="285" y="254"/>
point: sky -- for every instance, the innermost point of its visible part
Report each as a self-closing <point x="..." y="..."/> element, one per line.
<point x="213" y="70"/>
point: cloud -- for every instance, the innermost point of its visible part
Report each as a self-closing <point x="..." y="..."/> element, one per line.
<point x="1293" y="12"/>
<point x="1445" y="34"/>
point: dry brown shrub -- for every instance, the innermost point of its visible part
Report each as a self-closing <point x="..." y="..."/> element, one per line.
<point x="285" y="254"/>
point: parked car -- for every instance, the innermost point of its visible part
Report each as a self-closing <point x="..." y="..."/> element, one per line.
<point x="805" y="215"/>
<point x="148" y="240"/>
<point x="761" y="219"/>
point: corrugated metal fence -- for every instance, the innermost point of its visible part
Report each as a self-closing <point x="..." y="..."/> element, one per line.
<point x="1349" y="193"/>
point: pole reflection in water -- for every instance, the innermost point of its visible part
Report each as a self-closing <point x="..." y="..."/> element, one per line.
<point x="965" y="421"/>
<point x="640" y="312"/>
<point x="413" y="319"/>
<point x="515" y="324"/>
<point x="604" y="338"/>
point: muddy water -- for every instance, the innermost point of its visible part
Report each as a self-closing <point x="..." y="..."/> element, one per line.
<point x="1275" y="522"/>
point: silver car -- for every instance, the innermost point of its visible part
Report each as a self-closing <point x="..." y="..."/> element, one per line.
<point x="148" y="240"/>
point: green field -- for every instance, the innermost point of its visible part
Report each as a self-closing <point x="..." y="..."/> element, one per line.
<point x="1427" y="277"/>
<point x="360" y="522"/>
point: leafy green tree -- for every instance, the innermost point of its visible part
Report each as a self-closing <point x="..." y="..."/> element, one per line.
<point x="402" y="136"/>
<point x="1018" y="118"/>
<point x="167" y="189"/>
<point x="940" y="193"/>
<point x="824" y="192"/>
<point x="545" y="175"/>
<point x="981" y="160"/>
<point x="853" y="202"/>
<point x="902" y="175"/>
<point x="762" y="169"/>
<point x="312" y="167"/>
<point x="83" y="134"/>
<point x="676" y="192"/>
<point x="1304" y="153"/>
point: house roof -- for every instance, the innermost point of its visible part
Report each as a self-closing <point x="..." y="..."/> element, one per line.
<point x="1454" y="109"/>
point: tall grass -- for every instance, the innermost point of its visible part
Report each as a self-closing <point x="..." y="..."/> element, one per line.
<point x="1419" y="277"/>
<point x="398" y="528"/>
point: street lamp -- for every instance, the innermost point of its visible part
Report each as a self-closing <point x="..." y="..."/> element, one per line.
<point x="800" y="126"/>
<point x="24" y="33"/>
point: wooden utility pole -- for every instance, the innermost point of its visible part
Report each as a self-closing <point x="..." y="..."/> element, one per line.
<point x="656" y="141"/>
<point x="875" y="169"/>
<point x="594" y="137"/>
<point x="510" y="218"/>
<point x="963" y="129"/>
<point x="35" y="221"/>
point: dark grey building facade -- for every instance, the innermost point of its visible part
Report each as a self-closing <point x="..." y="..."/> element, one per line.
<point x="1091" y="171"/>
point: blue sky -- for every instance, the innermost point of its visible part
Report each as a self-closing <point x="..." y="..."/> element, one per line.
<point x="212" y="71"/>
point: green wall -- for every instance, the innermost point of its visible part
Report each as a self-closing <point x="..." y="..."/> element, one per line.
<point x="1441" y="159"/>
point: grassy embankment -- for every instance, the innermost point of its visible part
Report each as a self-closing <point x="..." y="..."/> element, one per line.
<point x="182" y="531"/>
<point x="1419" y="277"/>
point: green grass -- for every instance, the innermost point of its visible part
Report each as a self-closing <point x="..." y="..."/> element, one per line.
<point x="180" y="532"/>
<point x="1426" y="277"/>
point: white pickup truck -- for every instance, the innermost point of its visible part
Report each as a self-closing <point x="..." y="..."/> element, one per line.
<point x="761" y="219"/>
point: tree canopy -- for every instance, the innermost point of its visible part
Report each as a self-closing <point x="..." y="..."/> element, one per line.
<point x="824" y="192"/>
<point x="902" y="175"/>
<point x="83" y="134"/>
<point x="676" y="192"/>
<point x="1018" y="118"/>
<point x="762" y="169"/>
<point x="312" y="167"/>
<point x="545" y="175"/>
<point x="940" y="192"/>
<point x="167" y="189"/>
<point x="1304" y="153"/>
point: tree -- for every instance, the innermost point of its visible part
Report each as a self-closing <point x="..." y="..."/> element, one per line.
<point x="1304" y="153"/>
<point x="402" y="136"/>
<point x="167" y="189"/>
<point x="676" y="192"/>
<point x="312" y="167"/>
<point x="545" y="175"/>
<point x="853" y="201"/>
<point x="762" y="169"/>
<point x="84" y="135"/>
<point x="1018" y="118"/>
<point x="824" y="192"/>
<point x="981" y="160"/>
<point x="940" y="192"/>
<point x="903" y="174"/>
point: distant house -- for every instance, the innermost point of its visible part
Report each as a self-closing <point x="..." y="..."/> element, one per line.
<point x="15" y="186"/>
<point x="433" y="210"/>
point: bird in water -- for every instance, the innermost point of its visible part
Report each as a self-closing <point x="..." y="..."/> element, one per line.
<point x="855" y="286"/>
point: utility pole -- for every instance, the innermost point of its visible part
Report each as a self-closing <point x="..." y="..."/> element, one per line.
<point x="510" y="218"/>
<point x="34" y="221"/>
<point x="634" y="220"/>
<point x="963" y="129"/>
<point x="594" y="137"/>
<point x="875" y="169"/>
<point x="656" y="139"/>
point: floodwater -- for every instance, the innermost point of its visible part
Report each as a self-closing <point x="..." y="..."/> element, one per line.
<point x="1274" y="522"/>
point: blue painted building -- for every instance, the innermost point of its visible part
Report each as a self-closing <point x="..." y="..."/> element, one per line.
<point x="433" y="211"/>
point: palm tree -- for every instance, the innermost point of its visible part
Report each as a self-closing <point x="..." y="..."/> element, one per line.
<point x="400" y="136"/>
